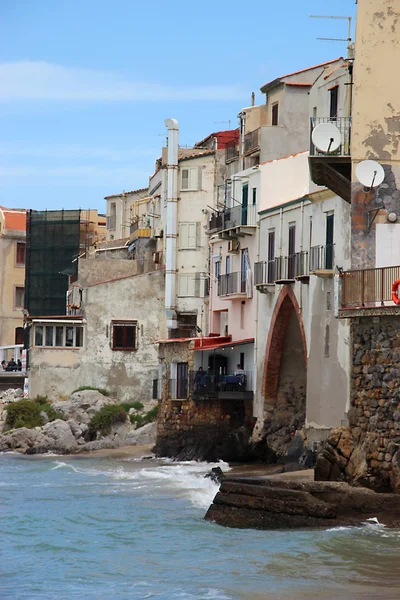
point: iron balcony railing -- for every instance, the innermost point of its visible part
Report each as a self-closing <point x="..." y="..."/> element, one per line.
<point x="282" y="268"/>
<point x="231" y="151"/>
<point x="205" y="383"/>
<point x="235" y="216"/>
<point x="251" y="141"/>
<point x="231" y="283"/>
<point x="322" y="258"/>
<point x="344" y="126"/>
<point x="368" y="287"/>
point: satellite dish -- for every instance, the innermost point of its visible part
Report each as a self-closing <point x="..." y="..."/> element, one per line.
<point x="370" y="173"/>
<point x="326" y="137"/>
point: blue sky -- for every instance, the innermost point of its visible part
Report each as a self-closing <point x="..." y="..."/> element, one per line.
<point x="85" y="85"/>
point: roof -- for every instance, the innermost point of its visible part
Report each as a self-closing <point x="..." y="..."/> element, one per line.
<point x="297" y="84"/>
<point x="196" y="155"/>
<point x="278" y="80"/>
<point x="223" y="137"/>
<point x="138" y="191"/>
<point x="198" y="345"/>
<point x="283" y="157"/>
<point x="14" y="218"/>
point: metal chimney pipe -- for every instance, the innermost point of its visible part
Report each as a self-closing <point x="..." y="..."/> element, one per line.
<point x="172" y="224"/>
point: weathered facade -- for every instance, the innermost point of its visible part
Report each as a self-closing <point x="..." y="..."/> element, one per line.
<point x="118" y="320"/>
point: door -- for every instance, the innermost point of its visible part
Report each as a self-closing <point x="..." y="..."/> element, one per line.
<point x="271" y="257"/>
<point x="182" y="380"/>
<point x="245" y="202"/>
<point x="329" y="242"/>
<point x="243" y="271"/>
<point x="292" y="246"/>
<point x="333" y="103"/>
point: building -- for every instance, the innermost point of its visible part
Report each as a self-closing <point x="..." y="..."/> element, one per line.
<point x="108" y="338"/>
<point x="122" y="212"/>
<point x="12" y="278"/>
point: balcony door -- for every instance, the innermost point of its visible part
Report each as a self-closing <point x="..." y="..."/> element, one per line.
<point x="271" y="256"/>
<point x="329" y="242"/>
<point x="291" y="253"/>
<point x="245" y="203"/>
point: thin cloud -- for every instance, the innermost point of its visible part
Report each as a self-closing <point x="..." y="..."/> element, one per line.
<point x="36" y="80"/>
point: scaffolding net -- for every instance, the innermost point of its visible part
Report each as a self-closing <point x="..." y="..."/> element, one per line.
<point x="52" y="245"/>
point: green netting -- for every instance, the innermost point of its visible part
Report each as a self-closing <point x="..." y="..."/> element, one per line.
<point x="52" y="243"/>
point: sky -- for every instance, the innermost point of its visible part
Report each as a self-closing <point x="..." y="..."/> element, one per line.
<point x="85" y="85"/>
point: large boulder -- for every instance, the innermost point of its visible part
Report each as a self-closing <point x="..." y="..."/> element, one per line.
<point x="81" y="406"/>
<point x="143" y="436"/>
<point x="11" y="395"/>
<point x="61" y="437"/>
<point x="22" y="439"/>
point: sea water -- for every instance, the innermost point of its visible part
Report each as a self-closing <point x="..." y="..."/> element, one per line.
<point x="96" y="528"/>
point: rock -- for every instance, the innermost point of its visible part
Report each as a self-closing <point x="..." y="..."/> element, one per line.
<point x="21" y="439"/>
<point x="75" y="428"/>
<point x="83" y="405"/>
<point x="216" y="475"/>
<point x="143" y="436"/>
<point x="11" y="395"/>
<point x="274" y="504"/>
<point x="61" y="436"/>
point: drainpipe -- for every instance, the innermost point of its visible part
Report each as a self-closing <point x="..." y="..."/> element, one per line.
<point x="241" y="117"/>
<point x="172" y="217"/>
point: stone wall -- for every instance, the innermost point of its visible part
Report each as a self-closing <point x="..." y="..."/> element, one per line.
<point x="367" y="451"/>
<point x="202" y="429"/>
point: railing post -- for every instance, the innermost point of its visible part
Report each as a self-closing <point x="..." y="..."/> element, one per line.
<point x="362" y="287"/>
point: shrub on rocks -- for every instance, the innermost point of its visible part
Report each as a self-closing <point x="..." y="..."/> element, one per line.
<point x="82" y="388"/>
<point x="30" y="414"/>
<point x="105" y="418"/>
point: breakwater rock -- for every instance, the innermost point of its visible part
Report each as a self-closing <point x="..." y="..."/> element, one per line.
<point x="270" y="504"/>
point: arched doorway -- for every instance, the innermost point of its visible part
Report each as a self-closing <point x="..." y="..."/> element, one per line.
<point x="285" y="372"/>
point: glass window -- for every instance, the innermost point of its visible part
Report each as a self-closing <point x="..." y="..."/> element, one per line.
<point x="19" y="297"/>
<point x="39" y="335"/>
<point x="49" y="335"/>
<point x="59" y="335"/>
<point x="78" y="336"/>
<point x="69" y="336"/>
<point x="20" y="258"/>
<point x="124" y="337"/>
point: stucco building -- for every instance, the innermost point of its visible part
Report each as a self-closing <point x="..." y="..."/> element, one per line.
<point x="12" y="276"/>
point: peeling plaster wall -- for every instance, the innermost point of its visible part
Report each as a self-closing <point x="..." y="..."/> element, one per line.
<point x="127" y="374"/>
<point x="11" y="275"/>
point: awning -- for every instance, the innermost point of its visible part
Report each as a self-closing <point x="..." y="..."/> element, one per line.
<point x="199" y="347"/>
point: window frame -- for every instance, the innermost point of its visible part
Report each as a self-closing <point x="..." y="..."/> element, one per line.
<point x="193" y="179"/>
<point x="42" y="326"/>
<point x="275" y="114"/>
<point x="123" y="323"/>
<point x="19" y="263"/>
<point x="19" y="306"/>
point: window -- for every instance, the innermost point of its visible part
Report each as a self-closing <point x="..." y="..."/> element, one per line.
<point x="19" y="297"/>
<point x="58" y="336"/>
<point x="292" y="250"/>
<point x="124" y="335"/>
<point x="217" y="268"/>
<point x="19" y="335"/>
<point x="20" y="254"/>
<point x="329" y="241"/>
<point x="191" y="179"/>
<point x="112" y="218"/>
<point x="187" y="285"/>
<point x="271" y="256"/>
<point x="275" y="113"/>
<point x="228" y="265"/>
<point x="254" y="196"/>
<point x="333" y="102"/>
<point x="189" y="236"/>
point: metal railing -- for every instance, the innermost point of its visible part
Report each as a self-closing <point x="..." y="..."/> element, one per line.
<point x="292" y="266"/>
<point x="368" y="287"/>
<point x="251" y="140"/>
<point x="235" y="216"/>
<point x="204" y="383"/>
<point x="264" y="272"/>
<point x="344" y="126"/>
<point x="231" y="151"/>
<point x="216" y="221"/>
<point x="231" y="283"/>
<point x="322" y="258"/>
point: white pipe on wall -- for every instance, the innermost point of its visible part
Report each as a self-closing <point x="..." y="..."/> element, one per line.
<point x="172" y="220"/>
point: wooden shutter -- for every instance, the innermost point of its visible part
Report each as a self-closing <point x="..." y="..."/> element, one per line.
<point x="192" y="235"/>
<point x="183" y="235"/>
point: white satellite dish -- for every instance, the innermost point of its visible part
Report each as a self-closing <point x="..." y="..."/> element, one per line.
<point x="370" y="173"/>
<point x="326" y="137"/>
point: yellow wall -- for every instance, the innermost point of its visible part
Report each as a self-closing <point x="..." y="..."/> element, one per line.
<point x="11" y="276"/>
<point x="376" y="109"/>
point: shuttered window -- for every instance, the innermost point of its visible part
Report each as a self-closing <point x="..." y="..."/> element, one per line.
<point x="189" y="236"/>
<point x="124" y="335"/>
<point x="187" y="285"/>
<point x="191" y="179"/>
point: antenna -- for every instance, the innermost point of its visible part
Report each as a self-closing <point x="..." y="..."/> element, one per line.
<point x="349" y="19"/>
<point x="326" y="137"/>
<point x="370" y="173"/>
<point x="219" y="122"/>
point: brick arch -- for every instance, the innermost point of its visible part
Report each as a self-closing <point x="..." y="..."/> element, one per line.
<point x="286" y="302"/>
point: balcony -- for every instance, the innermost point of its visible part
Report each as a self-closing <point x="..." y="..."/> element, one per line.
<point x="236" y="221"/>
<point x="368" y="288"/>
<point x="333" y="169"/>
<point x="322" y="260"/>
<point x="231" y="151"/>
<point x="232" y="286"/>
<point x="137" y="230"/>
<point x="252" y="141"/>
<point x="283" y="269"/>
<point x="205" y="385"/>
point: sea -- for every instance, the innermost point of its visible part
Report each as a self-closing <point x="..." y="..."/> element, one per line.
<point x="124" y="529"/>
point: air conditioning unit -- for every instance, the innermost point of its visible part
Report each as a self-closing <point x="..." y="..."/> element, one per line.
<point x="158" y="232"/>
<point x="233" y="246"/>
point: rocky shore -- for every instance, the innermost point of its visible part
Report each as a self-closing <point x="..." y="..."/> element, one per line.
<point x="260" y="503"/>
<point x="71" y="434"/>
